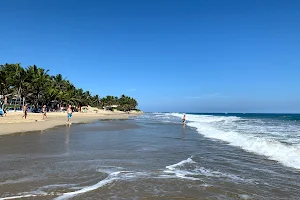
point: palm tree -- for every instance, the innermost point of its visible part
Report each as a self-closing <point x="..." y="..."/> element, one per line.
<point x="127" y="103"/>
<point x="95" y="101"/>
<point x="20" y="81"/>
<point x="5" y="80"/>
<point x="40" y="80"/>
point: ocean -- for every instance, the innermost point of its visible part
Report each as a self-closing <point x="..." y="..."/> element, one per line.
<point x="153" y="156"/>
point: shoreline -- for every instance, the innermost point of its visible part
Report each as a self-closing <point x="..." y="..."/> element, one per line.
<point x="13" y="122"/>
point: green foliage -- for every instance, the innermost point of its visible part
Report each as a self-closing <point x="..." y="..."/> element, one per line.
<point x="126" y="103"/>
<point x="39" y="88"/>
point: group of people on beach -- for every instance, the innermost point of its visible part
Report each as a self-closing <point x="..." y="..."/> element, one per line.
<point x="44" y="113"/>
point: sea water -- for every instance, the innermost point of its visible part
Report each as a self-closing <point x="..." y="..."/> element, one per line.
<point x="153" y="156"/>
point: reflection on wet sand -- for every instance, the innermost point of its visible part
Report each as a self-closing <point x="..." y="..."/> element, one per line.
<point x="183" y="132"/>
<point x="67" y="140"/>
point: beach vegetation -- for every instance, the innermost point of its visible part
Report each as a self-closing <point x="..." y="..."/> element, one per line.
<point x="34" y="86"/>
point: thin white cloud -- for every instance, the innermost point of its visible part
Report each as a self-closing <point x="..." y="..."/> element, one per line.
<point x="207" y="96"/>
<point x="131" y="90"/>
<point x="192" y="97"/>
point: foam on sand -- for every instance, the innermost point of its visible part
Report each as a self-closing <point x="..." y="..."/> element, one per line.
<point x="179" y="172"/>
<point x="119" y="175"/>
<point x="109" y="179"/>
<point x="26" y="195"/>
<point x="182" y="170"/>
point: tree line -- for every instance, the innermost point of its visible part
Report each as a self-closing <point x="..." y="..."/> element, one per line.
<point x="37" y="88"/>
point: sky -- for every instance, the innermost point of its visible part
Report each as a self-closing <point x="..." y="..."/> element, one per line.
<point x="170" y="55"/>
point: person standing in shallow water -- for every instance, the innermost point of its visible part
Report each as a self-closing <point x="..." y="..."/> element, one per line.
<point x="183" y="120"/>
<point x="69" y="112"/>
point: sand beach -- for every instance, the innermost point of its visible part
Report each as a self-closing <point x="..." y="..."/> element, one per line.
<point x="14" y="123"/>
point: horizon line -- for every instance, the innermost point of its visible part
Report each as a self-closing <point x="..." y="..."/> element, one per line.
<point x="225" y="112"/>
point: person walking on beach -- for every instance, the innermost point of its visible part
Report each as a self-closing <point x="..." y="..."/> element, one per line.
<point x="25" y="111"/>
<point x="183" y="119"/>
<point x="5" y="111"/>
<point x="44" y="110"/>
<point x="69" y="111"/>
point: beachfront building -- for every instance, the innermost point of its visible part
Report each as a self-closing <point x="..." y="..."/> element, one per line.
<point x="111" y="107"/>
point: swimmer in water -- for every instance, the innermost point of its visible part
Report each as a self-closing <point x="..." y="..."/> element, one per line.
<point x="183" y="119"/>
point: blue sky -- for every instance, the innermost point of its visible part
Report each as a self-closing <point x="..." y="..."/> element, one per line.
<point x="188" y="56"/>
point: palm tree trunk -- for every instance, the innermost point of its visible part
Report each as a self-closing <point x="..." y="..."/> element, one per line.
<point x="19" y="94"/>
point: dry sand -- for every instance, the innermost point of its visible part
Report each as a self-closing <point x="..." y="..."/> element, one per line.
<point x="13" y="122"/>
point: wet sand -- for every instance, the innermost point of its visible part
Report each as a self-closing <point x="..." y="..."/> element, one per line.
<point x="28" y="159"/>
<point x="14" y="123"/>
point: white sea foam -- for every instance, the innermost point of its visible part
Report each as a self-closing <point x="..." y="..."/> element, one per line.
<point x="271" y="147"/>
<point x="174" y="114"/>
<point x="19" y="197"/>
<point x="286" y="154"/>
<point x="181" y="163"/>
<point x="181" y="173"/>
<point x="179" y="169"/>
<point x="26" y="195"/>
<point x="119" y="175"/>
<point x="211" y="173"/>
<point x="109" y="179"/>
